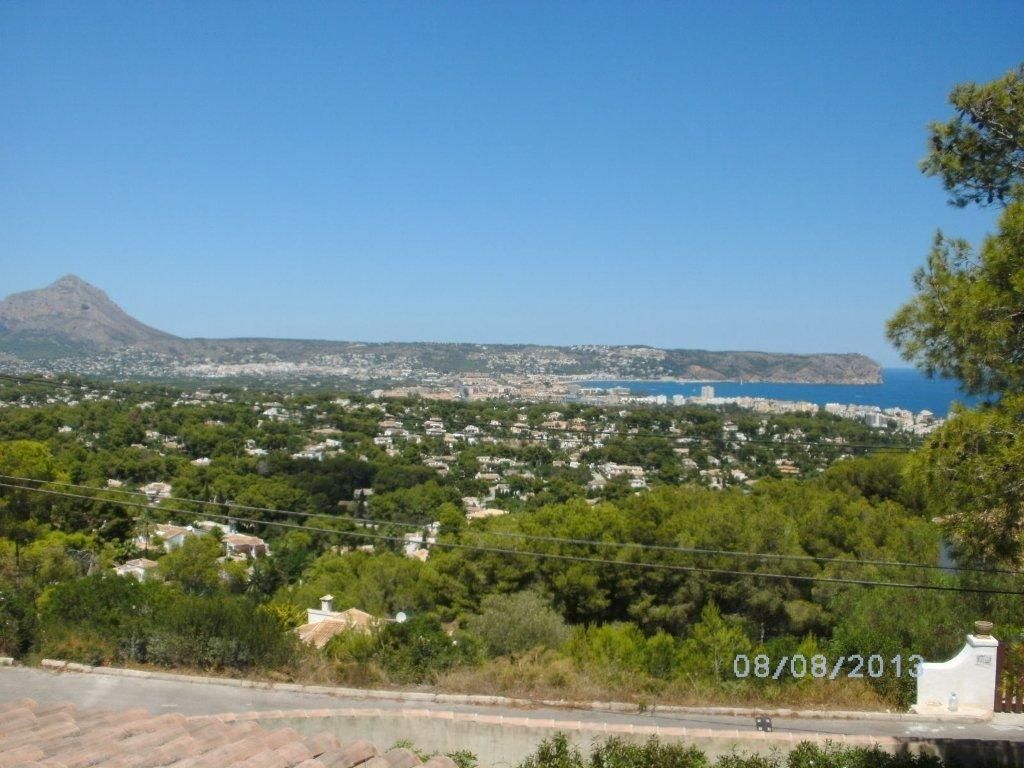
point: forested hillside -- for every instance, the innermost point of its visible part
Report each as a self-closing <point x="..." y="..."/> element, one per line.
<point x="647" y="585"/>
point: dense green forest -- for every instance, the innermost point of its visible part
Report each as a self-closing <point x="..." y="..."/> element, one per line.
<point x="579" y="590"/>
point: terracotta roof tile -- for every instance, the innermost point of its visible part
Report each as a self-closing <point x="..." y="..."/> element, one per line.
<point x="45" y="710"/>
<point x="226" y="754"/>
<point x="265" y="758"/>
<point x="16" y="722"/>
<point x="294" y="753"/>
<point x="204" y="729"/>
<point x="92" y="754"/>
<point x="96" y="718"/>
<point x="323" y="742"/>
<point x="20" y="720"/>
<point x="21" y="755"/>
<point x="352" y="753"/>
<point x="37" y="736"/>
<point x="11" y="706"/>
<point x="165" y="754"/>
<point x="16" y="712"/>
<point x="281" y="737"/>
<point x="62" y="736"/>
<point x="401" y="758"/>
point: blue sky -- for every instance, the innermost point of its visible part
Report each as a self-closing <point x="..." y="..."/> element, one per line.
<point x="723" y="175"/>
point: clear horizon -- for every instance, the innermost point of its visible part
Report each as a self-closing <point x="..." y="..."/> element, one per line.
<point x="901" y="365"/>
<point x="714" y="176"/>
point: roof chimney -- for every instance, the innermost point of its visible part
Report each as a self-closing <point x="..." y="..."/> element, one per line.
<point x="327" y="603"/>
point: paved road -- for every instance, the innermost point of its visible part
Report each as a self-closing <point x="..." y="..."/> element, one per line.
<point x="110" y="692"/>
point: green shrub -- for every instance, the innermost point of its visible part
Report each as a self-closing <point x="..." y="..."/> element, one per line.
<point x="516" y="623"/>
<point x="104" y="602"/>
<point x="748" y="761"/>
<point x="463" y="758"/>
<point x="555" y="752"/>
<point x="354" y="647"/>
<point x="615" y="648"/>
<point x="558" y="752"/>
<point x="18" y="625"/>
<point x="99" y="618"/>
<point x="662" y="656"/>
<point x="220" y="632"/>
<point x="415" y="651"/>
<point x="82" y="645"/>
<point x="897" y="622"/>
<point x="616" y="753"/>
<point x="808" y="755"/>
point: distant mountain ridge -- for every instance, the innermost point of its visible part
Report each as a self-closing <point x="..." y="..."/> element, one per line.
<point x="71" y="320"/>
<point x="67" y="315"/>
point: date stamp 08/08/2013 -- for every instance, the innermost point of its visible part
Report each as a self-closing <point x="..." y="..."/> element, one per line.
<point x="820" y="666"/>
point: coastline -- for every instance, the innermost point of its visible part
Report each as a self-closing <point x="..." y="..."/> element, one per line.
<point x="739" y="382"/>
<point x="902" y="388"/>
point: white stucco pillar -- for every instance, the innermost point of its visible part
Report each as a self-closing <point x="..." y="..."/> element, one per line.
<point x="971" y="675"/>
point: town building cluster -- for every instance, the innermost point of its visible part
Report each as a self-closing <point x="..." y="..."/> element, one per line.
<point x="490" y="460"/>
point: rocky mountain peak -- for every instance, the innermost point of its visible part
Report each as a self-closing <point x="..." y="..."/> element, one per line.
<point x="70" y="313"/>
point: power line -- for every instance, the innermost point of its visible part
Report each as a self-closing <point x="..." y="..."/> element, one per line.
<point x="536" y="537"/>
<point x="561" y="557"/>
<point x="218" y="504"/>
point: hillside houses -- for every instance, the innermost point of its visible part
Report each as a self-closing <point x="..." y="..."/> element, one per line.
<point x="140" y="568"/>
<point x="324" y="623"/>
<point x="240" y="545"/>
<point x="166" y="536"/>
<point x="420" y="454"/>
<point x="156" y="492"/>
<point x="169" y="537"/>
<point x="318" y="451"/>
<point x="417" y="544"/>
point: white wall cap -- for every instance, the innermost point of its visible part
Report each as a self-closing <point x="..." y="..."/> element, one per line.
<point x="982" y="642"/>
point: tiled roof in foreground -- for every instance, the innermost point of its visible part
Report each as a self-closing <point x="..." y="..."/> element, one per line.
<point x="64" y="736"/>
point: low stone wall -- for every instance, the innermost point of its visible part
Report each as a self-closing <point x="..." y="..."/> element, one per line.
<point x="505" y="741"/>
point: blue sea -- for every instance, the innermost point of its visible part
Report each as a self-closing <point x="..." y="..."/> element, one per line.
<point x="902" y="388"/>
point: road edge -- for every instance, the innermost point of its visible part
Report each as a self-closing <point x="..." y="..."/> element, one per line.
<point x="59" y="665"/>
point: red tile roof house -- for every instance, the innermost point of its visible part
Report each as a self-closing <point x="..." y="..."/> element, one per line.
<point x="140" y="568"/>
<point x="324" y="623"/>
<point x="240" y="544"/>
<point x="172" y="536"/>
